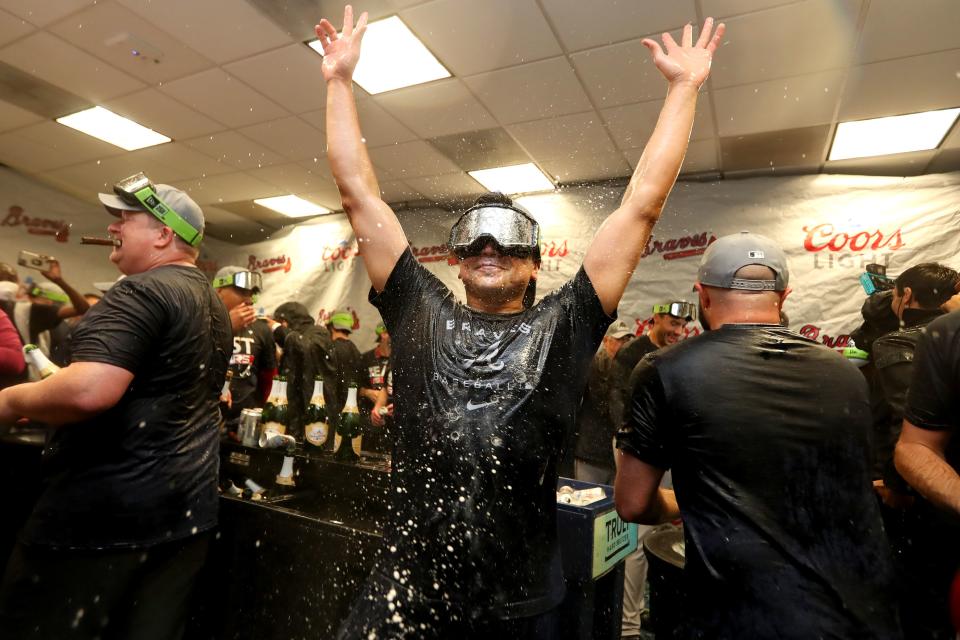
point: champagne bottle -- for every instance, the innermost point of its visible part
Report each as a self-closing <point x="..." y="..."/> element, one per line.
<point x="39" y="360"/>
<point x="347" y="441"/>
<point x="277" y="418"/>
<point x="316" y="428"/>
<point x="267" y="414"/>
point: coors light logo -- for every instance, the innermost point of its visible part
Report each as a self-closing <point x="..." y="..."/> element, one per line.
<point x="832" y="247"/>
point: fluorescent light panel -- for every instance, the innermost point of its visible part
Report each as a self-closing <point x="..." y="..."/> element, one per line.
<point x="392" y="58"/>
<point x="519" y="178"/>
<point x="107" y="126"/>
<point x="292" y="206"/>
<point x="894" y="134"/>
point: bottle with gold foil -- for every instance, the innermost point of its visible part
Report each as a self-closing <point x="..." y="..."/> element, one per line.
<point x="39" y="361"/>
<point x="316" y="426"/>
<point x="276" y="414"/>
<point x="349" y="431"/>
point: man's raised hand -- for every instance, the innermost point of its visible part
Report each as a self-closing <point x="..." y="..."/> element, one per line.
<point x="341" y="52"/>
<point x="687" y="62"/>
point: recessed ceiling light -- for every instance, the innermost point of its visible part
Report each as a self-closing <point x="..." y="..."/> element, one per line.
<point x="894" y="134"/>
<point x="107" y="126"/>
<point x="519" y="178"/>
<point x="392" y="58"/>
<point x="292" y="206"/>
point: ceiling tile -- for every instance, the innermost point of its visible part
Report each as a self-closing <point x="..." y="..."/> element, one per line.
<point x="183" y="159"/>
<point x="774" y="150"/>
<point x="23" y="153"/>
<point x="953" y="138"/>
<point x="896" y="29"/>
<point x="902" y="86"/>
<point x="326" y="195"/>
<point x="481" y="149"/>
<point x="412" y="160"/>
<point x="901" y="164"/>
<point x="790" y="103"/>
<point x="224" y="98"/>
<point x="228" y="226"/>
<point x="819" y="37"/>
<point x="163" y="114"/>
<point x="453" y="186"/>
<point x="72" y="145"/>
<point x="68" y="67"/>
<point x="291" y="76"/>
<point x="620" y="74"/>
<point x="112" y="33"/>
<point x="12" y="116"/>
<point x="12" y="27"/>
<point x="578" y="26"/>
<point x="106" y="172"/>
<point x="89" y="177"/>
<point x="221" y="30"/>
<point x="531" y="91"/>
<point x="563" y="137"/>
<point x="378" y="126"/>
<point x="726" y="8"/>
<point x="294" y="178"/>
<point x="631" y="125"/>
<point x="471" y="37"/>
<point x="318" y="166"/>
<point x="437" y="108"/>
<point x="290" y="137"/>
<point x="228" y="187"/>
<point x="232" y="148"/>
<point x="701" y="156"/>
<point x="43" y="13"/>
<point x="397" y="191"/>
<point x="586" y="167"/>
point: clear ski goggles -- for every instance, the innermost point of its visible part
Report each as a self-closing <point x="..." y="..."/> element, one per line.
<point x="249" y="280"/>
<point x="514" y="231"/>
<point x="138" y="191"/>
<point x="685" y="310"/>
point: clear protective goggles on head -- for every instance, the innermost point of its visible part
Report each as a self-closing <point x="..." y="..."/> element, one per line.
<point x="682" y="309"/>
<point x="138" y="191"/>
<point x="249" y="280"/>
<point x="514" y="231"/>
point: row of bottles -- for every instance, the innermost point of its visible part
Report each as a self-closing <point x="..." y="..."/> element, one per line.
<point x="276" y="418"/>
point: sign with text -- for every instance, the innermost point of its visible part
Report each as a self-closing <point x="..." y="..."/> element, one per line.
<point x="613" y="540"/>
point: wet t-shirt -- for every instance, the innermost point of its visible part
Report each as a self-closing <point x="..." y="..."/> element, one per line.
<point x="484" y="404"/>
<point x="145" y="470"/>
<point x="253" y="351"/>
<point x="766" y="433"/>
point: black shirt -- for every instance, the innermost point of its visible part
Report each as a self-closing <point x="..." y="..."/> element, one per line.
<point x="483" y="406"/>
<point x="625" y="362"/>
<point x="42" y="317"/>
<point x="596" y="424"/>
<point x="253" y="351"/>
<point x="933" y="401"/>
<point x="767" y="436"/>
<point x="145" y="470"/>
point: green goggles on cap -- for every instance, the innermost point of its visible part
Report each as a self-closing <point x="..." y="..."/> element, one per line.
<point x="249" y="280"/>
<point x="137" y="190"/>
<point x="683" y="310"/>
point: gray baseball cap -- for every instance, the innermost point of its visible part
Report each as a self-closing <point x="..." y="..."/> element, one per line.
<point x="174" y="198"/>
<point x="729" y="254"/>
<point x="618" y="329"/>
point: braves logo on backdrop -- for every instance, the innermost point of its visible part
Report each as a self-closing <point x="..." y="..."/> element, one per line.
<point x="814" y="332"/>
<point x="850" y="248"/>
<point x="677" y="248"/>
<point x="36" y="225"/>
<point x="269" y="265"/>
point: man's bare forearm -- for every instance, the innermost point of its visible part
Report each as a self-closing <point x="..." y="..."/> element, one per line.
<point x="657" y="170"/>
<point x="929" y="474"/>
<point x="346" y="151"/>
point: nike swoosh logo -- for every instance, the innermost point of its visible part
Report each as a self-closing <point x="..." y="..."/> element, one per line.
<point x="472" y="407"/>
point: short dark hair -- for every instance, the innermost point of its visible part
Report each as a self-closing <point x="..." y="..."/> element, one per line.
<point x="932" y="284"/>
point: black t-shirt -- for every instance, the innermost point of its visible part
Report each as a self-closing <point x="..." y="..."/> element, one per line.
<point x="767" y="436"/>
<point x="933" y="401"/>
<point x="373" y="368"/>
<point x="484" y="404"/>
<point x="632" y="352"/>
<point x="253" y="351"/>
<point x="42" y="317"/>
<point x="145" y="470"/>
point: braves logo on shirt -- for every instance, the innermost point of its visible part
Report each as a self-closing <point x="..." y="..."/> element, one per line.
<point x="242" y="359"/>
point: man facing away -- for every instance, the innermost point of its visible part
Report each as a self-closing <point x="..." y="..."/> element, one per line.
<point x="121" y="530"/>
<point x="767" y="436"/>
<point x="486" y="392"/>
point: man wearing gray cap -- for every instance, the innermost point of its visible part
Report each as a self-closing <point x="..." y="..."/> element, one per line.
<point x="766" y="434"/>
<point x="121" y="530"/>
